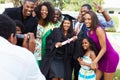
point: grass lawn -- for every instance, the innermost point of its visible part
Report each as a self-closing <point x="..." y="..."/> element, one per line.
<point x="117" y="75"/>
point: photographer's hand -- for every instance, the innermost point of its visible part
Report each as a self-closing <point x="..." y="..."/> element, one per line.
<point x="29" y="43"/>
<point x="25" y="41"/>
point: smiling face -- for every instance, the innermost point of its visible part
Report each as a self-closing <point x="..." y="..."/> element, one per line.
<point x="66" y="25"/>
<point x="88" y="20"/>
<point x="18" y="30"/>
<point x="84" y="10"/>
<point x="56" y="16"/>
<point x="44" y="12"/>
<point x="85" y="44"/>
<point x="28" y="8"/>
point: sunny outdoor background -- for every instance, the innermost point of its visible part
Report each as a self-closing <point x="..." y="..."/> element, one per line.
<point x="72" y="7"/>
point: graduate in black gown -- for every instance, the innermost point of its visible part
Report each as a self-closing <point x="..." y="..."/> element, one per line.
<point x="58" y="61"/>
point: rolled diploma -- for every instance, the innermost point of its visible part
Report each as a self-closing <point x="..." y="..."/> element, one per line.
<point x="65" y="42"/>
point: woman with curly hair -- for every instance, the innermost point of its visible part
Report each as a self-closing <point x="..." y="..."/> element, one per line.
<point x="44" y="12"/>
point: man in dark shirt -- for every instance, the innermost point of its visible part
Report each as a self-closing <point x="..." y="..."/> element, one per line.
<point x="24" y="14"/>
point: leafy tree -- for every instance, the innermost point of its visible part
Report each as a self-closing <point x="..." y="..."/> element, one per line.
<point x="17" y="3"/>
<point x="73" y="5"/>
<point x="2" y="1"/>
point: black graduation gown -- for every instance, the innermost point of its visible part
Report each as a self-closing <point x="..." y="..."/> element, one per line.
<point x="68" y="49"/>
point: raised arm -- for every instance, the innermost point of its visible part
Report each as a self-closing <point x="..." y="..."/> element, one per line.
<point x="106" y="21"/>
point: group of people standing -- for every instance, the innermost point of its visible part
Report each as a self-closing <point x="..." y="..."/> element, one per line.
<point x="61" y="48"/>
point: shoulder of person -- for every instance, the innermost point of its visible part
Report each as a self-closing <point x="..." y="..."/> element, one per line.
<point x="18" y="52"/>
<point x="22" y="49"/>
<point x="92" y="52"/>
<point x="99" y="30"/>
<point x="13" y="9"/>
<point x="33" y="19"/>
<point x="56" y="29"/>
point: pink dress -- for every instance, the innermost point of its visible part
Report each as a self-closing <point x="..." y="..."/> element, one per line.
<point x="109" y="61"/>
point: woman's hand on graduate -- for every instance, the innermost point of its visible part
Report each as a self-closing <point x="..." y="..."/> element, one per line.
<point x="58" y="44"/>
<point x="94" y="65"/>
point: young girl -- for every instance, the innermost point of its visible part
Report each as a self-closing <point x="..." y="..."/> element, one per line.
<point x="90" y="52"/>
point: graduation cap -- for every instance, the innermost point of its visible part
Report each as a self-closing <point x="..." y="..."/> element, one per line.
<point x="68" y="17"/>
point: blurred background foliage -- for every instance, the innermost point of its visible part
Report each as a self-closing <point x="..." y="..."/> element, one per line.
<point x="73" y="5"/>
<point x="116" y="24"/>
<point x="70" y="5"/>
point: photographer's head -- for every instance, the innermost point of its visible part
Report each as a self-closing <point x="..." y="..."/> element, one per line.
<point x="7" y="28"/>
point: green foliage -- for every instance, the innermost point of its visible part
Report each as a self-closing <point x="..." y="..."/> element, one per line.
<point x="5" y="1"/>
<point x="74" y="5"/>
<point x="117" y="75"/>
<point x="2" y="1"/>
<point x="116" y="24"/>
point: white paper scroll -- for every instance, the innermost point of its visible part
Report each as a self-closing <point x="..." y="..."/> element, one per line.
<point x="67" y="41"/>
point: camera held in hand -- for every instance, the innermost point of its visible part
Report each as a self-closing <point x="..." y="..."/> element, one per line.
<point x="20" y="38"/>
